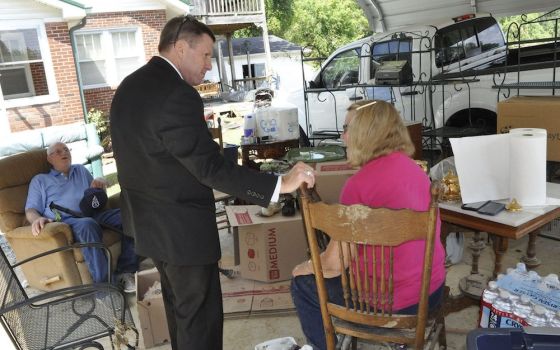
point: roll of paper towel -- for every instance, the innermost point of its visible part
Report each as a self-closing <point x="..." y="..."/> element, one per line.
<point x="527" y="130"/>
<point x="279" y="123"/>
<point x="527" y="172"/>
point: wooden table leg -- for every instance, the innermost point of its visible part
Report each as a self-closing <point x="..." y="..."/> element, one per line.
<point x="473" y="285"/>
<point x="500" y="248"/>
<point x="531" y="259"/>
<point x="477" y="245"/>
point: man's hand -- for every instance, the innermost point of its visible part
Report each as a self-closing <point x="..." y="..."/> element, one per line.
<point x="99" y="182"/>
<point x="299" y="174"/>
<point x="38" y="225"/>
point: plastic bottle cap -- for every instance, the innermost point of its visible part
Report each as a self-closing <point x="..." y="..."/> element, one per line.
<point x="504" y="294"/>
<point x="492" y="285"/>
<point x="539" y="310"/>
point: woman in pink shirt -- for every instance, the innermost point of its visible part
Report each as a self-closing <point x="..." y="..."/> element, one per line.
<point x="379" y="143"/>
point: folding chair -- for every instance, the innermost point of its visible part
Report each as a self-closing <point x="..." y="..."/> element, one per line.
<point x="73" y="317"/>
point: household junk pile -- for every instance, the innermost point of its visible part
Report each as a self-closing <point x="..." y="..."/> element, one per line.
<point x="521" y="298"/>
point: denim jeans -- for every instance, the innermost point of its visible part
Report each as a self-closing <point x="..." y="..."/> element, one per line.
<point x="306" y="301"/>
<point x="87" y="230"/>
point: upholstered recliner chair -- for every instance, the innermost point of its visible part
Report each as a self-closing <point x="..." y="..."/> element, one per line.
<point x="63" y="269"/>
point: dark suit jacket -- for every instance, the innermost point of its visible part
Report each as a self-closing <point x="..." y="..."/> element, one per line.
<point x="167" y="165"/>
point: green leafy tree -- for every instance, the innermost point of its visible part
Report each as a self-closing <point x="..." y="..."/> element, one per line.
<point x="101" y="122"/>
<point x="279" y="14"/>
<point x="327" y="24"/>
<point x="532" y="27"/>
<point x="323" y="24"/>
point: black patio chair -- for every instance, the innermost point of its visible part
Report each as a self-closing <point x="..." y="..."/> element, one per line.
<point x="69" y="318"/>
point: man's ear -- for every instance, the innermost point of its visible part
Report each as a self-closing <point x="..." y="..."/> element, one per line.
<point x="181" y="47"/>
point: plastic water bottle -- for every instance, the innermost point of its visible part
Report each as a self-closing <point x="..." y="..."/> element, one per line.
<point x="552" y="280"/>
<point x="488" y="298"/>
<point x="537" y="318"/>
<point x="491" y="293"/>
<point x="522" y="307"/>
<point x="555" y="321"/>
<point x="534" y="277"/>
<point x="249" y="125"/>
<point x="521" y="267"/>
<point x="503" y="302"/>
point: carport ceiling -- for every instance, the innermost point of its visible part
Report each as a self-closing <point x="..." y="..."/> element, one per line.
<point x="385" y="15"/>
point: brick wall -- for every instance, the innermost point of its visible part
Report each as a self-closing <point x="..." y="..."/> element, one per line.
<point x="150" y="23"/>
<point x="39" y="78"/>
<point x="69" y="108"/>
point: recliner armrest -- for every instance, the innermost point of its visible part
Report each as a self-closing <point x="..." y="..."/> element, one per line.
<point x="53" y="230"/>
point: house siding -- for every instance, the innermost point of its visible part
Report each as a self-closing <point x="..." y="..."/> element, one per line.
<point x="26" y="9"/>
<point x="150" y="23"/>
<point x="68" y="109"/>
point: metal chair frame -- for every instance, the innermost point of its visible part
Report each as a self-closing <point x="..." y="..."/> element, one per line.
<point x="95" y="310"/>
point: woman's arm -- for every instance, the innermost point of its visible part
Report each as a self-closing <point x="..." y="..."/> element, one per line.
<point x="330" y="262"/>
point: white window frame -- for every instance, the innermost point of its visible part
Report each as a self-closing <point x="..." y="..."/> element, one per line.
<point x="23" y="101"/>
<point x="109" y="54"/>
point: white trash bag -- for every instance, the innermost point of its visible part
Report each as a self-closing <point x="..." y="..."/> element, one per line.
<point x="286" y="343"/>
<point x="455" y="242"/>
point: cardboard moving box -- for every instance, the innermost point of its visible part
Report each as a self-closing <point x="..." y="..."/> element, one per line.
<point x="533" y="112"/>
<point x="151" y="312"/>
<point x="330" y="177"/>
<point x="269" y="247"/>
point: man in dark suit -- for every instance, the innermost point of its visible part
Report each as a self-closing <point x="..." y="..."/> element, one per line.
<point x="167" y="165"/>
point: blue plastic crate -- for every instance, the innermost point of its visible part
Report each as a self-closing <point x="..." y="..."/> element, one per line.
<point x="530" y="338"/>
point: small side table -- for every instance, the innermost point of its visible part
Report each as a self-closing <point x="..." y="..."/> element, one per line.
<point x="266" y="150"/>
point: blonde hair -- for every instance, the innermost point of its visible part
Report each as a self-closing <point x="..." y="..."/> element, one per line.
<point x="375" y="130"/>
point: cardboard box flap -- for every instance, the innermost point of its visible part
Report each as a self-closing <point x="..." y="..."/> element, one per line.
<point x="531" y="100"/>
<point x="144" y="280"/>
<point x="333" y="168"/>
<point x="244" y="215"/>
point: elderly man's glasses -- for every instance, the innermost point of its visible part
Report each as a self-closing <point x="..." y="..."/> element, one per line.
<point x="60" y="151"/>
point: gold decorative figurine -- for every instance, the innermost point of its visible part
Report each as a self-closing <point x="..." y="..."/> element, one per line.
<point x="513" y="206"/>
<point x="452" y="191"/>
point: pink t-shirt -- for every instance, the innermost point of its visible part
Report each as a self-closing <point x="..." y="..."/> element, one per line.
<point x="395" y="181"/>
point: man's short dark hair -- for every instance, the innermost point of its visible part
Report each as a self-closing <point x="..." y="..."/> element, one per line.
<point x="182" y="27"/>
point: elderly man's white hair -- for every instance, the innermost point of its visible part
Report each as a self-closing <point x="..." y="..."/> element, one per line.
<point x="50" y="149"/>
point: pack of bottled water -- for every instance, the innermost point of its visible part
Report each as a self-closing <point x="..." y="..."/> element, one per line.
<point x="521" y="298"/>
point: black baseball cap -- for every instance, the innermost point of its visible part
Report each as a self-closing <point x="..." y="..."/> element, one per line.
<point x="93" y="201"/>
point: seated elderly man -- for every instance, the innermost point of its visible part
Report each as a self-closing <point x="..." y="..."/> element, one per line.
<point x="65" y="185"/>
